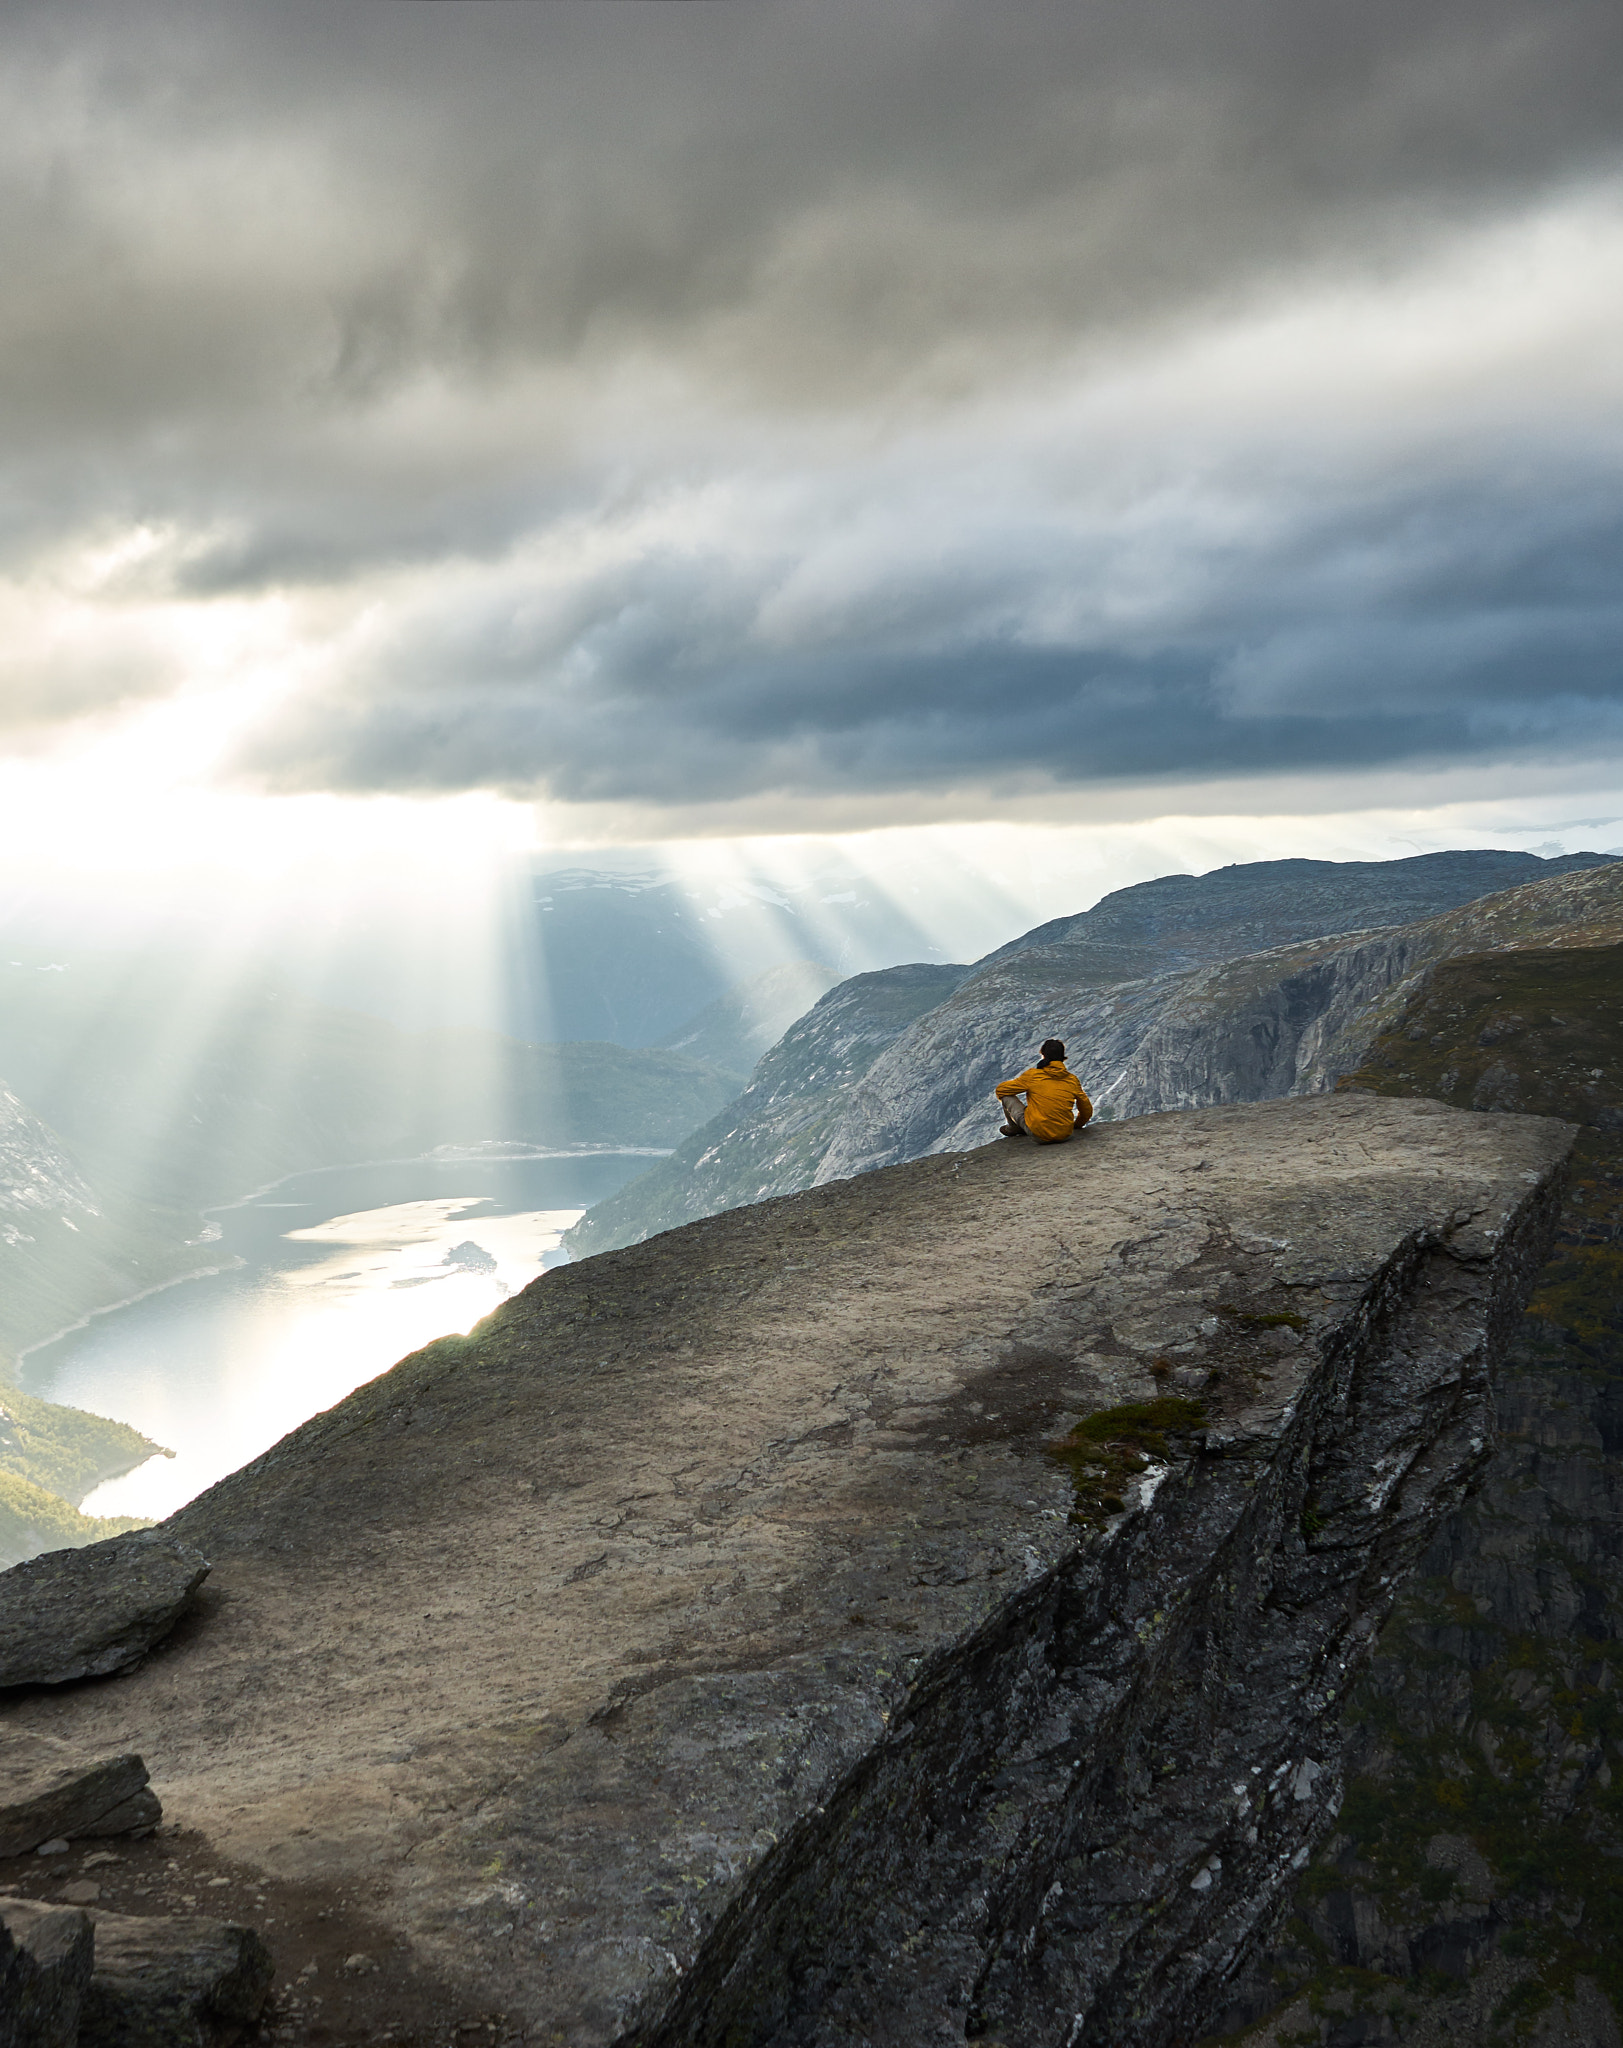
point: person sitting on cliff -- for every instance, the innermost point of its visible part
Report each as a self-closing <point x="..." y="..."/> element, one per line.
<point x="1056" y="1104"/>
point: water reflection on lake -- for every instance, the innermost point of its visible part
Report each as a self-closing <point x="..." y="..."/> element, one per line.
<point x="336" y="1276"/>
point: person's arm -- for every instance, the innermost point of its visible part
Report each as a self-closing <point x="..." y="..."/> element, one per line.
<point x="1084" y="1107"/>
<point x="1015" y="1087"/>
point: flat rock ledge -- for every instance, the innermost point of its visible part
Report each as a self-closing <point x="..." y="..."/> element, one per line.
<point x="722" y="1643"/>
<point x="47" y="1793"/>
<point x="87" y="1612"/>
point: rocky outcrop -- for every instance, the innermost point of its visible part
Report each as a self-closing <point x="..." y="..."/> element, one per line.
<point x="1470" y="1889"/>
<point x="1157" y="994"/>
<point x="172" y="1983"/>
<point x="919" y="1606"/>
<point x="84" y="1613"/>
<point x="47" y="1793"/>
<point x="1283" y="1022"/>
<point x="45" y="1964"/>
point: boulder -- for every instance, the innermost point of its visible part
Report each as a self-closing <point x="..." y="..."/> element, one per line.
<point x="45" y="1964"/>
<point x="84" y="1613"/>
<point x="49" y="1793"/>
<point x="169" y="1983"/>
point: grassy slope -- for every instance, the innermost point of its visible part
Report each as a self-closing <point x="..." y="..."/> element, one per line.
<point x="33" y="1520"/>
<point x="65" y="1450"/>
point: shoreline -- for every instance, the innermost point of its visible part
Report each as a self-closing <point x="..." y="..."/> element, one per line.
<point x="450" y="1158"/>
<point x="453" y="1156"/>
<point x="119" y="1471"/>
<point x="107" y="1308"/>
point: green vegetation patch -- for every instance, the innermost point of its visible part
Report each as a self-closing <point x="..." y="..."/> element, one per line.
<point x="1532" y="1710"/>
<point x="32" y="1520"/>
<point x="1248" y="1319"/>
<point x="1114" y="1445"/>
<point x="1539" y="1031"/>
<point x="65" y="1451"/>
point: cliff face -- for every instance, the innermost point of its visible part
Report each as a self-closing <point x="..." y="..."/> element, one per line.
<point x="916" y="1609"/>
<point x="1283" y="1022"/>
<point x="1470" y="1891"/>
<point x="1236" y="986"/>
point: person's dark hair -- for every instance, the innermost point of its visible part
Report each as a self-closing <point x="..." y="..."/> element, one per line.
<point x="1053" y="1049"/>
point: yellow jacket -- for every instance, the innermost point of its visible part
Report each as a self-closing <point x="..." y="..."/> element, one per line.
<point x="1056" y="1102"/>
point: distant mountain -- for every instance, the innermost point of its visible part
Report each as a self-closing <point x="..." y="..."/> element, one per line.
<point x="1191" y="920"/>
<point x="635" y="957"/>
<point x="63" y="1246"/>
<point x="1108" y="981"/>
<point x="732" y="1033"/>
<point x="1282" y="1022"/>
<point x="770" y="1141"/>
<point x="38" y="1181"/>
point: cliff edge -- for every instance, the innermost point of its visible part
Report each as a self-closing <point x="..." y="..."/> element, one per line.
<point x="915" y="1609"/>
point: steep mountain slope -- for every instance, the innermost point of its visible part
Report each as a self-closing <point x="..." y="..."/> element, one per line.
<point x="1104" y="981"/>
<point x="733" y="1032"/>
<point x="1283" y="1022"/>
<point x="1470" y="1892"/>
<point x="64" y="1246"/>
<point x="770" y="1140"/>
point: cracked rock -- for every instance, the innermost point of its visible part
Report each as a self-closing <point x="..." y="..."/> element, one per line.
<point x="45" y="1962"/>
<point x="48" y="1793"/>
<point x="172" y="1983"/>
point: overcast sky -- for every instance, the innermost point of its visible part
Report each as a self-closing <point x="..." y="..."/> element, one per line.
<point x="819" y="413"/>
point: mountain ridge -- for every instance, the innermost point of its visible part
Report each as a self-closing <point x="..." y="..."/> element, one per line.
<point x="927" y="1083"/>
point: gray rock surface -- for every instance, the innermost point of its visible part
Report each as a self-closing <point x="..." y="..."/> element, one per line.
<point x="1470" y="1889"/>
<point x="172" y="1983"/>
<point x="84" y="1613"/>
<point x="47" y="1793"/>
<point x="706" y="1648"/>
<point x="45" y="1964"/>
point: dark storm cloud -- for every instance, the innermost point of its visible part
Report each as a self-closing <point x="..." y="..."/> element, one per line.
<point x="1442" y="626"/>
<point x="400" y="302"/>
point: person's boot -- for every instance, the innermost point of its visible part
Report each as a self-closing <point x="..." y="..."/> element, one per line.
<point x="1012" y="1131"/>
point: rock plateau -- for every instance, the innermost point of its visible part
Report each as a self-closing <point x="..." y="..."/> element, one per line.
<point x="914" y="1609"/>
